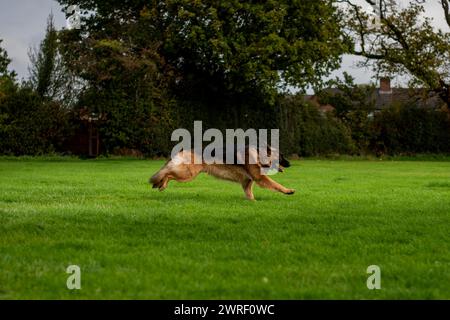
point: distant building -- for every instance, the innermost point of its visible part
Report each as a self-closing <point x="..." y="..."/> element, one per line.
<point x="385" y="96"/>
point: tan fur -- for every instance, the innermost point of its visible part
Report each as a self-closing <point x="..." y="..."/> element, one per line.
<point x="245" y="174"/>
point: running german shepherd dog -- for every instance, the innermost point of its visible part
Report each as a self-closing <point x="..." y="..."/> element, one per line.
<point x="183" y="169"/>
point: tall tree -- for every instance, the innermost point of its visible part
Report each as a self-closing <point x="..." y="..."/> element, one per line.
<point x="48" y="74"/>
<point x="222" y="60"/>
<point x="404" y="41"/>
<point x="43" y="62"/>
<point x="354" y="104"/>
<point x="29" y="123"/>
<point x="225" y="45"/>
<point x="4" y="62"/>
<point x="7" y="77"/>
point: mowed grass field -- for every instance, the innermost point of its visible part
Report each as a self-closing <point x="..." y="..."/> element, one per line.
<point x="203" y="240"/>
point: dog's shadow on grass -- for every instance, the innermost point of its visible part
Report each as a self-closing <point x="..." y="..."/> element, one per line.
<point x="175" y="196"/>
<point x="171" y="196"/>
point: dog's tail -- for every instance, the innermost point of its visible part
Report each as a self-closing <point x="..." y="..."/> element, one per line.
<point x="157" y="179"/>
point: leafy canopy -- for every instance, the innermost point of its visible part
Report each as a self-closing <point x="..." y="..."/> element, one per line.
<point x="224" y="45"/>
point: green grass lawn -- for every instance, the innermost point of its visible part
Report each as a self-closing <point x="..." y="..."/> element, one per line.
<point x="203" y="240"/>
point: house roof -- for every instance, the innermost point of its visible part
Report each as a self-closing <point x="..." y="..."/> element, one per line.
<point x="384" y="99"/>
<point x="420" y="97"/>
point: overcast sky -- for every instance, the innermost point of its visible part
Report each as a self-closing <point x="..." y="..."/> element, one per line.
<point x="22" y="25"/>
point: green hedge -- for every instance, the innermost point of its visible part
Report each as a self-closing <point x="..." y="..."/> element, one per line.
<point x="30" y="125"/>
<point x="307" y="132"/>
<point x="409" y="129"/>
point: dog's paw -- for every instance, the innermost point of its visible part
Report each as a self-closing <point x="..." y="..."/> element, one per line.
<point x="290" y="191"/>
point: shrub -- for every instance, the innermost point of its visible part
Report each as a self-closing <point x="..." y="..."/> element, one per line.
<point x="409" y="129"/>
<point x="30" y="125"/>
<point x="307" y="132"/>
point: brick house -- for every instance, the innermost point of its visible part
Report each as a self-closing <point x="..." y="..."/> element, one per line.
<point x="385" y="95"/>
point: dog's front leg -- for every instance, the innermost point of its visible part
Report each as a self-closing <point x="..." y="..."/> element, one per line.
<point x="266" y="182"/>
<point x="248" y="189"/>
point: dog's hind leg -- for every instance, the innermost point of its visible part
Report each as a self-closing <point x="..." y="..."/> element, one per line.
<point x="160" y="178"/>
<point x="247" y="185"/>
<point x="185" y="173"/>
<point x="164" y="183"/>
<point x="266" y="182"/>
<point x="180" y="175"/>
<point x="160" y="183"/>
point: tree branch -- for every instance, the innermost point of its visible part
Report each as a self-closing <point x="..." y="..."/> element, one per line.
<point x="446" y="6"/>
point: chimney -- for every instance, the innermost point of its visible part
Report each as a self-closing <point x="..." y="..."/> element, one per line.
<point x="385" y="85"/>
